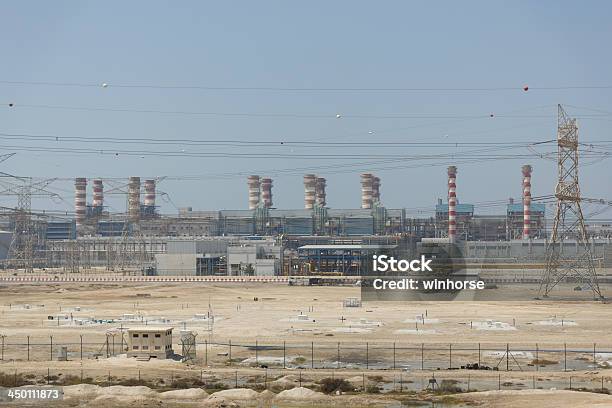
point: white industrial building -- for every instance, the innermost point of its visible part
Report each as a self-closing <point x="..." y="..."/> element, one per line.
<point x="233" y="256"/>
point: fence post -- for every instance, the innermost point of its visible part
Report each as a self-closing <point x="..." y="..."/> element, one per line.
<point x="236" y="382"/>
<point x="422" y="355"/>
<point x="394" y="355"/>
<point x="499" y="381"/>
<point x="507" y="356"/>
<point x="312" y="354"/>
<point x="537" y="359"/>
<point x="284" y="354"/>
<point x="230" y="352"/>
<point x="206" y="352"/>
<point x="564" y="356"/>
<point x="81" y="346"/>
<point x="594" y="359"/>
<point x="48" y="375"/>
<point x="28" y="348"/>
<point x="2" y="347"/>
<point x="256" y="353"/>
<point x="338" y="354"/>
<point x="401" y="382"/>
<point x="50" y="348"/>
<point x="478" y="354"/>
<point x="570" y="384"/>
<point x="367" y="356"/>
<point x="450" y="356"/>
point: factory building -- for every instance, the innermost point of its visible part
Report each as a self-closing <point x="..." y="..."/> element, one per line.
<point x="221" y="256"/>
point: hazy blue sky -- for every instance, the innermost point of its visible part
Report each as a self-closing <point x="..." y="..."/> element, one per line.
<point x="315" y="44"/>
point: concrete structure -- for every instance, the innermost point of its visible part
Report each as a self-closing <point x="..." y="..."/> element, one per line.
<point x="150" y="342"/>
<point x="260" y="257"/>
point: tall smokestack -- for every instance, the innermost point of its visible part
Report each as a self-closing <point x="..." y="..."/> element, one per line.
<point x="376" y="189"/>
<point x="266" y="192"/>
<point x="80" y="202"/>
<point x="310" y="188"/>
<point x="452" y="204"/>
<point x="98" y="193"/>
<point x="321" y="197"/>
<point x="149" y="198"/>
<point x="367" y="180"/>
<point x="134" y="199"/>
<point x="254" y="191"/>
<point x="526" y="201"/>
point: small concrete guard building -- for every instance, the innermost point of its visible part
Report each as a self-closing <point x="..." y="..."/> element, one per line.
<point x="150" y="342"/>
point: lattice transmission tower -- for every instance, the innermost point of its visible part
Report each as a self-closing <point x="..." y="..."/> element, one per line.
<point x="569" y="219"/>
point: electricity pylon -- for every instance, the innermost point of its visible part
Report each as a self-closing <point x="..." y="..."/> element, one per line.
<point x="569" y="220"/>
<point x="27" y="239"/>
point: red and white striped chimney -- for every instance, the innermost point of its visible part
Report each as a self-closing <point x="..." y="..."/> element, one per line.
<point x="80" y="202"/>
<point x="526" y="201"/>
<point x="452" y="204"/>
<point x="149" y="198"/>
<point x="254" y="184"/>
<point x="266" y="192"/>
<point x="98" y="193"/>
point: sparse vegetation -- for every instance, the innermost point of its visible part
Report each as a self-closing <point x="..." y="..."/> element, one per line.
<point x="330" y="385"/>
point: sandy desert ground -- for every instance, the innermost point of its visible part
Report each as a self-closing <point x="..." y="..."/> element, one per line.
<point x="297" y="318"/>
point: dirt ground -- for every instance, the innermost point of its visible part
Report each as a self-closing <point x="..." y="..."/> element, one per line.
<point x="298" y="317"/>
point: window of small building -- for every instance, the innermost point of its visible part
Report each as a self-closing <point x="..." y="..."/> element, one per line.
<point x="134" y="347"/>
<point x="157" y="348"/>
<point x="157" y="335"/>
<point x="145" y="347"/>
<point x="135" y="335"/>
<point x="145" y="336"/>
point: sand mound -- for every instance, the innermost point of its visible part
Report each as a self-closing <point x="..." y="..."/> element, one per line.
<point x="188" y="394"/>
<point x="266" y="395"/>
<point x="300" y="394"/>
<point x="237" y="394"/>
<point x="285" y="383"/>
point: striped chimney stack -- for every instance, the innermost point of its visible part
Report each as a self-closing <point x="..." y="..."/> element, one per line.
<point x="452" y="204"/>
<point x="149" y="198"/>
<point x="376" y="189"/>
<point x="526" y="201"/>
<point x="367" y="190"/>
<point x="310" y="191"/>
<point x="80" y="202"/>
<point x="98" y="193"/>
<point x="134" y="199"/>
<point x="321" y="198"/>
<point x="254" y="183"/>
<point x="266" y="192"/>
